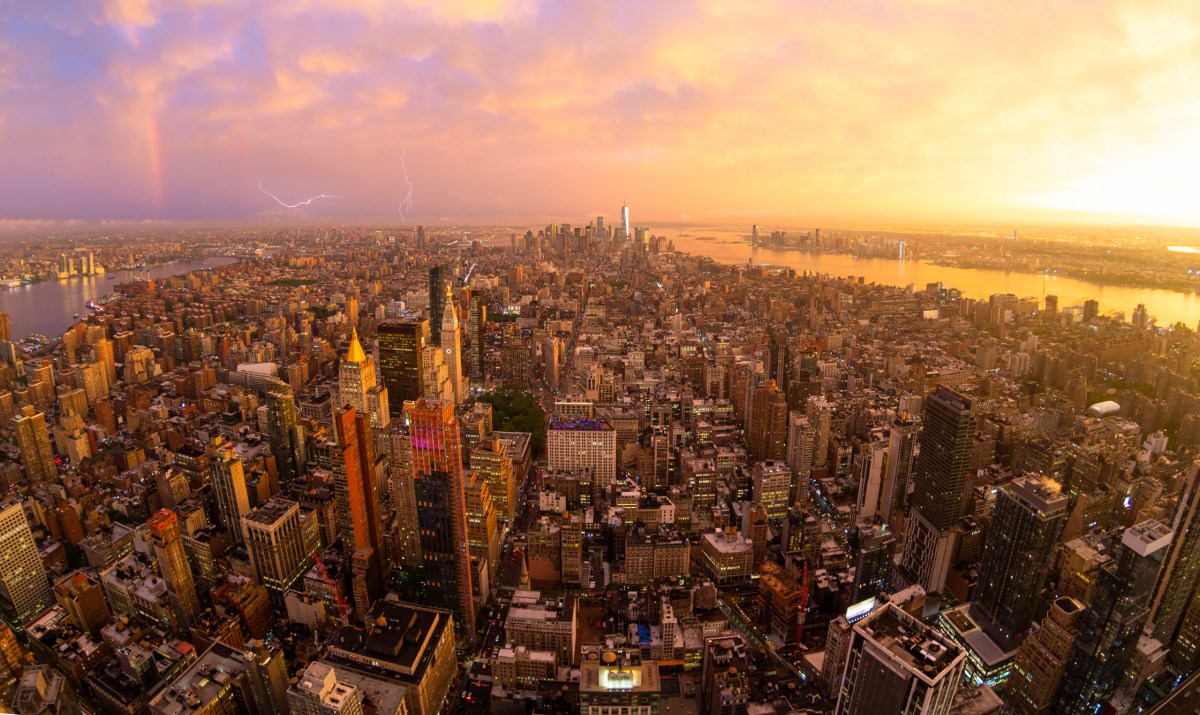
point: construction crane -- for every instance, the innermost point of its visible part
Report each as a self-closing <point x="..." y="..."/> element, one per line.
<point x="337" y="596"/>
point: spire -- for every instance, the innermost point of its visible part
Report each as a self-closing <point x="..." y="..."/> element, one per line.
<point x="355" y="353"/>
<point x="449" y="316"/>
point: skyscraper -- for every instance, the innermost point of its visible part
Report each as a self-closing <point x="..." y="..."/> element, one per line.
<point x="779" y="360"/>
<point x="1181" y="567"/>
<point x="1116" y="613"/>
<point x="441" y="503"/>
<point x="820" y="414"/>
<point x="174" y="567"/>
<point x="401" y="364"/>
<point x="482" y="529"/>
<point x="873" y="564"/>
<point x="439" y="293"/>
<point x="940" y="486"/>
<point x="33" y="442"/>
<point x="357" y="385"/>
<point x="476" y="335"/>
<point x="945" y="457"/>
<point x="277" y="546"/>
<point x="801" y="443"/>
<point x="490" y="459"/>
<point x="584" y="444"/>
<point x="897" y="664"/>
<point x="452" y="349"/>
<point x="228" y="479"/>
<point x="406" y="532"/>
<point x="514" y="360"/>
<point x="1041" y="660"/>
<point x="357" y="493"/>
<point x="285" y="433"/>
<point x="902" y="442"/>
<point x="1029" y="515"/>
<point x="766" y="435"/>
<point x="24" y="588"/>
<point x="104" y="353"/>
<point x="625" y="234"/>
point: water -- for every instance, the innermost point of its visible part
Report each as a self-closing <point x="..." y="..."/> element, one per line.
<point x="1167" y="306"/>
<point x="49" y="307"/>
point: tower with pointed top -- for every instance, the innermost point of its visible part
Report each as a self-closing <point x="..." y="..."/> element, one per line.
<point x="452" y="348"/>
<point x="358" y="387"/>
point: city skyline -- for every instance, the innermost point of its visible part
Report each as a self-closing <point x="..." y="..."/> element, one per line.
<point x="474" y="112"/>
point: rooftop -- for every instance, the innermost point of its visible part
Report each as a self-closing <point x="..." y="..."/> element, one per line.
<point x="925" y="652"/>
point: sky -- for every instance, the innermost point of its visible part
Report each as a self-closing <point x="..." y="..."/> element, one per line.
<point x="518" y="110"/>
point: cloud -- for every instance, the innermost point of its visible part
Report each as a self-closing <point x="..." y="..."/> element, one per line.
<point x="515" y="108"/>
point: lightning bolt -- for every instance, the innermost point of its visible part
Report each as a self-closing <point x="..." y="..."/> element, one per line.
<point x="306" y="202"/>
<point x="406" y="205"/>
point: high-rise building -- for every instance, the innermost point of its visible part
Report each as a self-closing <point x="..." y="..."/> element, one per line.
<point x="902" y="442"/>
<point x="319" y="692"/>
<point x="439" y="294"/>
<point x="1041" y="660"/>
<point x="33" y="443"/>
<point x="940" y="479"/>
<point x="228" y="478"/>
<point x="897" y="664"/>
<point x="584" y="444"/>
<point x="441" y="502"/>
<point x="1028" y="517"/>
<point x="772" y="488"/>
<point x="357" y="385"/>
<point x="4" y="328"/>
<point x="945" y="457"/>
<point x="820" y="414"/>
<point x="174" y="567"/>
<point x="482" y="530"/>
<point x="83" y="598"/>
<point x="357" y="494"/>
<point x="514" y="360"/>
<point x="1116" y="613"/>
<point x="285" y="433"/>
<point x="779" y="360"/>
<point x="476" y="336"/>
<point x="401" y="365"/>
<point x="406" y="532"/>
<point x="625" y="234"/>
<point x="873" y="562"/>
<point x="104" y="352"/>
<point x="451" y="342"/>
<point x="402" y="643"/>
<point x="766" y="435"/>
<point x="490" y="459"/>
<point x="1051" y="307"/>
<point x="228" y="679"/>
<point x="550" y="358"/>
<point x="801" y="443"/>
<point x="24" y="588"/>
<point x="276" y="542"/>
<point x="1181" y="567"/>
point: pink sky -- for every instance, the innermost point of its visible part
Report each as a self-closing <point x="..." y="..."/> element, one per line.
<point x="515" y="110"/>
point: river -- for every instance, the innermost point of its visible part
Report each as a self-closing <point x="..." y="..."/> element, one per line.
<point x="1167" y="306"/>
<point x="49" y="307"/>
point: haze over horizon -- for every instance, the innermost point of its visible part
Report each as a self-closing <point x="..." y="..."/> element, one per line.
<point x="514" y="110"/>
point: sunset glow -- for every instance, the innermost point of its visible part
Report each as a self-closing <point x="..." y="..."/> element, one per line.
<point x="692" y="111"/>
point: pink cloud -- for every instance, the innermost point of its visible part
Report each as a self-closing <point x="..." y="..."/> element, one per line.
<point x="511" y="109"/>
